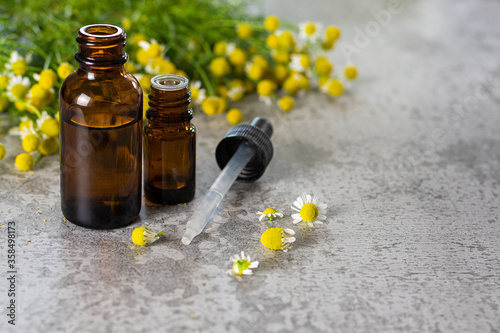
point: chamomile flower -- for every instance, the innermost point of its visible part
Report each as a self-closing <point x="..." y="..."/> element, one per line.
<point x="270" y="214"/>
<point x="48" y="125"/>
<point x="25" y="129"/>
<point x="143" y="236"/>
<point x="153" y="48"/>
<point x="47" y="78"/>
<point x="265" y="89"/>
<point x="309" y="30"/>
<point x="278" y="239"/>
<point x="17" y="63"/>
<point x="236" y="93"/>
<point x="242" y="265"/>
<point x="300" y="62"/>
<point x="18" y="87"/>
<point x="198" y="94"/>
<point x="309" y="209"/>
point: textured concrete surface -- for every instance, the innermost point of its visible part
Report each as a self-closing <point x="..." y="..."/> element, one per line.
<point x="408" y="161"/>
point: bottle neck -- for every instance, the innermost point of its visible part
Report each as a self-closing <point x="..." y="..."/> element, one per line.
<point x="101" y="46"/>
<point x="169" y="102"/>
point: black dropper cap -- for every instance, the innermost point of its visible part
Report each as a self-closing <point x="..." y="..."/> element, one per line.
<point x="257" y="135"/>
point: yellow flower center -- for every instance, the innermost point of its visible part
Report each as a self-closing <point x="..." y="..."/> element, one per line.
<point x="286" y="40"/>
<point x="154" y="50"/>
<point x="255" y="72"/>
<point x="49" y="146"/>
<point x="265" y="88"/>
<point x="291" y="85"/>
<point x="64" y="70"/>
<point x="4" y="103"/>
<point x="4" y="81"/>
<point x="19" y="67"/>
<point x="244" y="31"/>
<point x="272" y="238"/>
<point x="305" y="61"/>
<point x="309" y="212"/>
<point x="48" y="78"/>
<point x="19" y="90"/>
<point x="272" y="41"/>
<point x="30" y="143"/>
<point x="310" y="29"/>
<point x="50" y="127"/>
<point x="138" y="236"/>
<point x="195" y="93"/>
<point x="234" y="117"/>
<point x="323" y="66"/>
<point x="271" y="23"/>
<point x="39" y="91"/>
<point x="219" y="67"/>
<point x="351" y="72"/>
<point x="335" y="88"/>
<point x="220" y="48"/>
<point x="240" y="266"/>
<point x="269" y="211"/>
<point x="24" y="162"/>
<point x="237" y="57"/>
<point x="2" y="151"/>
<point x="210" y="105"/>
<point x="286" y="103"/>
<point x="332" y="33"/>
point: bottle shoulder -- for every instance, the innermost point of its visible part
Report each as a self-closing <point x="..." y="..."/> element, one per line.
<point x="103" y="87"/>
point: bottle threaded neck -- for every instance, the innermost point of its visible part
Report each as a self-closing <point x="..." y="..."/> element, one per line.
<point x="101" y="45"/>
<point x="169" y="99"/>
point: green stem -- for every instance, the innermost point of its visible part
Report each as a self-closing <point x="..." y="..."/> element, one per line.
<point x="160" y="233"/>
<point x="40" y="156"/>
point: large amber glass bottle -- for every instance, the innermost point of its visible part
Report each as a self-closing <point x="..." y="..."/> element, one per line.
<point x="169" y="142"/>
<point x="101" y="133"/>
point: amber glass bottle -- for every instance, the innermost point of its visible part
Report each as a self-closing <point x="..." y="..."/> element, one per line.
<point x="169" y="142"/>
<point x="101" y="133"/>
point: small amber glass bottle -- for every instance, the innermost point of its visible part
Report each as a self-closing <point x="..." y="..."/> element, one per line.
<point x="101" y="133"/>
<point x="169" y="142"/>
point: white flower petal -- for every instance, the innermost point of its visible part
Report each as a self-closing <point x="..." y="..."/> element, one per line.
<point x="247" y="272"/>
<point x="318" y="222"/>
<point x="289" y="231"/>
<point x="321" y="217"/>
<point x="298" y="204"/>
<point x="322" y="206"/>
<point x="254" y="264"/>
<point x="296" y="216"/>
<point x="300" y="201"/>
<point x="261" y="217"/>
<point x="297" y="221"/>
<point x="288" y="239"/>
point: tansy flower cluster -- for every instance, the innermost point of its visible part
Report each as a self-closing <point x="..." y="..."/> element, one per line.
<point x="28" y="93"/>
<point x="310" y="211"/>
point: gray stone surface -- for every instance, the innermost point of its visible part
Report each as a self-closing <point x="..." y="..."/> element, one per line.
<point x="408" y="161"/>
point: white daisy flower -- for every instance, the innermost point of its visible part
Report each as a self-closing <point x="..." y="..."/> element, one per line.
<point x="270" y="214"/>
<point x="18" y="87"/>
<point x="18" y="63"/>
<point x="242" y="265"/>
<point x="309" y="209"/>
<point x="310" y="30"/>
<point x="26" y="130"/>
<point x="198" y="94"/>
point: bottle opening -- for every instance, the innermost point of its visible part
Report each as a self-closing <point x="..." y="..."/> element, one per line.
<point x="101" y="31"/>
<point x="169" y="82"/>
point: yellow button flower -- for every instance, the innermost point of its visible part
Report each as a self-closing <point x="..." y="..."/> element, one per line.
<point x="4" y="81"/>
<point x="50" y="127"/>
<point x="30" y="143"/>
<point x="39" y="91"/>
<point x="219" y="67"/>
<point x="327" y="45"/>
<point x="280" y="73"/>
<point x="271" y="23"/>
<point x="49" y="146"/>
<point x="47" y="78"/>
<point x="286" y="40"/>
<point x="19" y="67"/>
<point x="272" y="41"/>
<point x="126" y="23"/>
<point x="335" y="88"/>
<point x="286" y="103"/>
<point x="234" y="116"/>
<point x="291" y="85"/>
<point x="142" y="57"/>
<point x="265" y="88"/>
<point x="332" y="33"/>
<point x="220" y="48"/>
<point x="323" y="66"/>
<point x="154" y="50"/>
<point x="278" y="239"/>
<point x="210" y="105"/>
<point x="244" y="31"/>
<point x="64" y="70"/>
<point x="351" y="72"/>
<point x="3" y="152"/>
<point x="24" y="162"/>
<point x="135" y="39"/>
<point x="255" y="72"/>
<point x="143" y="236"/>
<point x="238" y="57"/>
